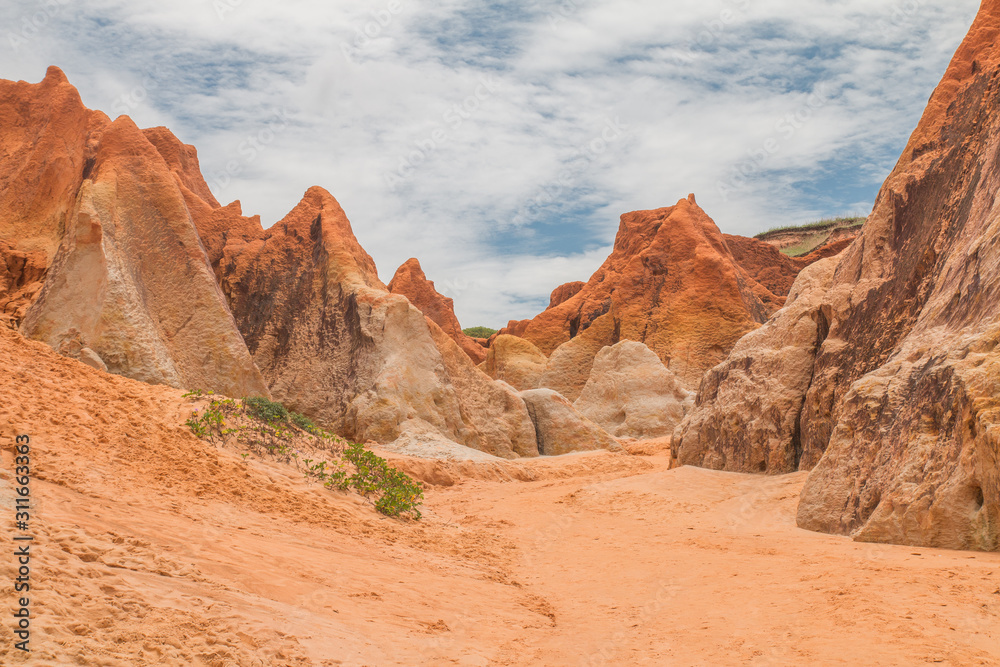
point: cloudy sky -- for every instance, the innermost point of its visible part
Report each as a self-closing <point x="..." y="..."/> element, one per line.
<point x="499" y="141"/>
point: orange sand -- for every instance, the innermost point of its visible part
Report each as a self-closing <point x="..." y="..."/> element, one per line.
<point x="153" y="548"/>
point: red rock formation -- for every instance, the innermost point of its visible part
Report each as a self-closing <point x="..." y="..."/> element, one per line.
<point x="333" y="343"/>
<point x="183" y="162"/>
<point x="773" y="269"/>
<point x="93" y="208"/>
<point x="411" y="282"/>
<point x="895" y="400"/>
<point x="21" y="278"/>
<point x="631" y="394"/>
<point x="674" y="286"/>
<point x="563" y="293"/>
<point x="765" y="263"/>
<point x="45" y="147"/>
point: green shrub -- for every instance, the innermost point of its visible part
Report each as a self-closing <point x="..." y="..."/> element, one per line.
<point x="262" y="426"/>
<point x="269" y="411"/>
<point x="303" y="423"/>
<point x="479" y="332"/>
<point x="396" y="492"/>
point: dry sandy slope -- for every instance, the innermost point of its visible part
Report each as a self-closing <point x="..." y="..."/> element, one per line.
<point x="153" y="548"/>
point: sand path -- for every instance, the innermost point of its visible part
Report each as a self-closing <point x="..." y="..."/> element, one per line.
<point x="635" y="566"/>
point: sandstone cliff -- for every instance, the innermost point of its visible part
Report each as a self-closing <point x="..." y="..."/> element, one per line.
<point x="96" y="212"/>
<point x="335" y="344"/>
<point x="894" y="356"/>
<point x="672" y="283"/>
<point x="514" y="361"/>
<point x="411" y="282"/>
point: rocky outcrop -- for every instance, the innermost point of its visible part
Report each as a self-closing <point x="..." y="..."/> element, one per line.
<point x="673" y="284"/>
<point x="560" y="428"/>
<point x="569" y="366"/>
<point x="46" y="144"/>
<point x="820" y="239"/>
<point x="766" y="264"/>
<point x="335" y="344"/>
<point x="95" y="203"/>
<point x="748" y="407"/>
<point x="21" y="276"/>
<point x="902" y="396"/>
<point x="515" y="361"/>
<point x="564" y="293"/>
<point x="631" y="394"/>
<point x="411" y="282"/>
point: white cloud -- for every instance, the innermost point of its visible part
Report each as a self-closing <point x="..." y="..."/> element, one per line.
<point x="699" y="89"/>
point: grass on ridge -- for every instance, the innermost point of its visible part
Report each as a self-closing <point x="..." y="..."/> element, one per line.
<point x="479" y="332"/>
<point x="837" y="223"/>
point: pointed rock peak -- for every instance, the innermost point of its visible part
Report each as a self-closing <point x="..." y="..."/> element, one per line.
<point x="691" y="199"/>
<point x="54" y="76"/>
<point x="182" y="159"/>
<point x="124" y="139"/>
<point x="315" y="202"/>
<point x="319" y="219"/>
<point x="564" y="293"/>
<point x="411" y="282"/>
<point x="410" y="267"/>
<point x="318" y="205"/>
<point x="320" y="197"/>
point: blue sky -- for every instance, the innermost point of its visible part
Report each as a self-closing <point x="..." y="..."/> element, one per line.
<point x="499" y="141"/>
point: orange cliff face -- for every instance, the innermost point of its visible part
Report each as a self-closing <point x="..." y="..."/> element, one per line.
<point x="97" y="214"/>
<point x="335" y="344"/>
<point x="116" y="253"/>
<point x="672" y="283"/>
<point x="410" y="281"/>
<point x="882" y="374"/>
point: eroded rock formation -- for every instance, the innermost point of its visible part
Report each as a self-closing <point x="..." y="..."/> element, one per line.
<point x="560" y="428"/>
<point x="515" y="361"/>
<point x="673" y="284"/>
<point x="631" y="394"/>
<point x="127" y="286"/>
<point x="563" y="293"/>
<point x="335" y="344"/>
<point x="900" y="410"/>
<point x="411" y="282"/>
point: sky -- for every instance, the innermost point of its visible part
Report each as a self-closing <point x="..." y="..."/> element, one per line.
<point x="499" y="141"/>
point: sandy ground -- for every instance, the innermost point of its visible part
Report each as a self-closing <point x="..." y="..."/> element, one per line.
<point x="153" y="548"/>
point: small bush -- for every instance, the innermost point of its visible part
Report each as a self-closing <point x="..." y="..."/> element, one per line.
<point x="396" y="492"/>
<point x="270" y="411"/>
<point x="303" y="423"/>
<point x="479" y="332"/>
<point x="263" y="427"/>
